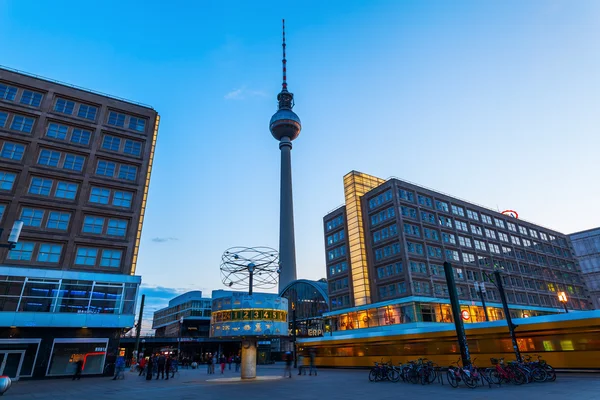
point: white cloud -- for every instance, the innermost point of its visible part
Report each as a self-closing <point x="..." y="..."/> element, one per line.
<point x="243" y="92"/>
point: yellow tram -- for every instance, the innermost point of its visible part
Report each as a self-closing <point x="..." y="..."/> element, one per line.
<point x="569" y="341"/>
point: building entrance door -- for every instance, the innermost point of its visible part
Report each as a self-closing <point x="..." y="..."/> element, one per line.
<point x="10" y="363"/>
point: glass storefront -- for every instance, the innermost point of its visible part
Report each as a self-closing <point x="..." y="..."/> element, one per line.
<point x="66" y="353"/>
<point x="66" y="296"/>
<point x="417" y="312"/>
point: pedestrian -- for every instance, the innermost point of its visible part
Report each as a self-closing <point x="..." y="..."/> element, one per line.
<point x="142" y="365"/>
<point x="78" y="369"/>
<point x="288" y="364"/>
<point x="230" y="361"/>
<point x="119" y="368"/>
<point x="161" y="362"/>
<point x="168" y="365"/>
<point x="312" y="355"/>
<point x="215" y="359"/>
<point x="238" y="361"/>
<point x="301" y="364"/>
<point x="223" y="361"/>
<point x="209" y="364"/>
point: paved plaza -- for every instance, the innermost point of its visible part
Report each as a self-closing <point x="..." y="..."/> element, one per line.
<point x="330" y="384"/>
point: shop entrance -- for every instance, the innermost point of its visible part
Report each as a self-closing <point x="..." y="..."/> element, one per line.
<point x="11" y="362"/>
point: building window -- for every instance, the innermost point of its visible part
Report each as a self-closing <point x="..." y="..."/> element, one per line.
<point x="116" y="119"/>
<point x="543" y="236"/>
<point x="412" y="230"/>
<point x="468" y="258"/>
<point x="134" y="148"/>
<point x="499" y="223"/>
<point x="49" y="158"/>
<point x="415" y="248"/>
<point x="503" y="237"/>
<point x="40" y="186"/>
<point x="480" y="245"/>
<point x="106" y="168"/>
<point x="22" y="124"/>
<point x="490" y="233"/>
<point x="406" y="195"/>
<point x="58" y="220"/>
<point x="424" y="200"/>
<point x="2" y="209"/>
<point x="87" y="112"/>
<point x="445" y="221"/>
<point x="12" y="151"/>
<point x="515" y="240"/>
<point x="49" y="253"/>
<point x="111" y="143"/>
<point x="433" y="251"/>
<point x="337" y="252"/>
<point x="458" y="210"/>
<point x="464" y="241"/>
<point x="431" y="234"/>
<point x="3" y="118"/>
<point x="66" y="190"/>
<point x="448" y="238"/>
<point x="533" y="233"/>
<point x="523" y="230"/>
<point x="452" y="255"/>
<point x="7" y="179"/>
<point x="442" y="206"/>
<point x="7" y="92"/>
<point x="30" y="98"/>
<point x="93" y="224"/>
<point x="22" y="251"/>
<point x="137" y="124"/>
<point x="32" y="217"/>
<point x="476" y="230"/>
<point x="111" y="258"/>
<point x="408" y="212"/>
<point x="57" y="131"/>
<point x="334" y="223"/>
<point x="127" y="172"/>
<point x="81" y="136"/>
<point x="64" y="106"/>
<point x="472" y="215"/>
<point x="494" y="248"/>
<point x="123" y="199"/>
<point x="117" y="227"/>
<point x="461" y="226"/>
<point x="99" y="195"/>
<point x="74" y="162"/>
<point x="427" y="217"/>
<point x="86" y="256"/>
<point x="486" y="218"/>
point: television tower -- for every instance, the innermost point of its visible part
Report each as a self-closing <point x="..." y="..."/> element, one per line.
<point x="285" y="126"/>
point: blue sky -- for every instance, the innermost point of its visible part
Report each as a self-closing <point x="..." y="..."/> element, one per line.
<point x="495" y="102"/>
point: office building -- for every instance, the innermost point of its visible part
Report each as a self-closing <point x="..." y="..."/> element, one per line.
<point x="75" y="168"/>
<point x="187" y="315"/>
<point x="385" y="250"/>
<point x="587" y="250"/>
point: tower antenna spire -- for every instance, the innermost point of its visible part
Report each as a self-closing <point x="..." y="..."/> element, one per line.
<point x="284" y="61"/>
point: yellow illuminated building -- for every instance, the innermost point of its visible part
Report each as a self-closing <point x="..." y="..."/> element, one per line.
<point x="356" y="184"/>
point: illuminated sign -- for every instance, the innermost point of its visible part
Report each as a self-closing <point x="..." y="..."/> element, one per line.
<point x="511" y="213"/>
<point x="562" y="297"/>
<point x="465" y="315"/>
<point x="250" y="314"/>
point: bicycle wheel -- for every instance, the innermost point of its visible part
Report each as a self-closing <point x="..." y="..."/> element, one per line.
<point x="468" y="379"/>
<point x="551" y="373"/>
<point x="451" y="377"/>
<point x="539" y="374"/>
<point x="413" y="376"/>
<point x="517" y="376"/>
<point x="373" y="375"/>
<point x="494" y="376"/>
<point x="393" y="375"/>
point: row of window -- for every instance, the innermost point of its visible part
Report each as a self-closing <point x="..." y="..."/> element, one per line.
<point x="28" y="97"/>
<point x="334" y="223"/>
<point x="473" y="215"/>
<point x="387" y="251"/>
<point x="380" y="199"/>
<point x="119" y="145"/>
<point x="340" y="301"/>
<point x="392" y="290"/>
<point x="336" y="253"/>
<point x="385" y="233"/>
<point x="16" y="122"/>
<point x="389" y="270"/>
<point x="68" y="190"/>
<point x="336" y="237"/>
<point x="70" y="107"/>
<point x="338" y="284"/>
<point x="383" y="216"/>
<point x="51" y="253"/>
<point x="338" y="268"/>
<point x="59" y="220"/>
<point x="69" y="133"/>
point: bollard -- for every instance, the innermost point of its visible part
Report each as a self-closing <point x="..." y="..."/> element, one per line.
<point x="5" y="383"/>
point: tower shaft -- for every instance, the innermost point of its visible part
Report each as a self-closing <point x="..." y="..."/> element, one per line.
<point x="287" y="245"/>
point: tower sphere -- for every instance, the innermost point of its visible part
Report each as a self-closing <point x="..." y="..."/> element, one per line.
<point x="285" y="123"/>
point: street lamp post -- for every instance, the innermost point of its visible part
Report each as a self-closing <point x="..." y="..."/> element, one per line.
<point x="497" y="281"/>
<point x="480" y="289"/>
<point x="179" y="339"/>
<point x="251" y="277"/>
<point x="562" y="297"/>
<point x="294" y="332"/>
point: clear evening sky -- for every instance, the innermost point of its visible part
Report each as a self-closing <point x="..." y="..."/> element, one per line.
<point x="495" y="102"/>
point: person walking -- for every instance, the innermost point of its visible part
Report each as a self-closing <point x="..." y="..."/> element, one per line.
<point x="168" y="366"/>
<point x="312" y="355"/>
<point x="78" y="369"/>
<point x="142" y="365"/>
<point x="223" y="362"/>
<point x="301" y="364"/>
<point x="119" y="368"/>
<point x="208" y="364"/>
<point x="215" y="359"/>
<point x="238" y="361"/>
<point x="149" y="368"/>
<point x="230" y="361"/>
<point x="161" y="362"/>
<point x="288" y="365"/>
